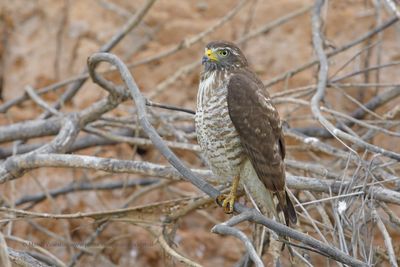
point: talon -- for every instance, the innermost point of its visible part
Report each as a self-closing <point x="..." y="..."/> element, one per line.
<point x="227" y="202"/>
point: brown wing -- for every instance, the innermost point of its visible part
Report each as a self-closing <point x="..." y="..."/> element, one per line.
<point x="258" y="124"/>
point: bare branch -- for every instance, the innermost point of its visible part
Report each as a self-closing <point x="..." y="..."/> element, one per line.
<point x="131" y="24"/>
<point x="386" y="238"/>
<point x="225" y="229"/>
<point x="311" y="63"/>
<point x="322" y="81"/>
<point x="24" y="259"/>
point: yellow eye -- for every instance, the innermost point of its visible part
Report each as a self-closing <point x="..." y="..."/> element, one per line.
<point x="223" y="52"/>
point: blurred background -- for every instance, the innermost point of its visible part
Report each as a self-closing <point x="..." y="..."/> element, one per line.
<point x="45" y="43"/>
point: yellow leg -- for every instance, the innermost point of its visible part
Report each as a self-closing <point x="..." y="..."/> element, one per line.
<point x="227" y="201"/>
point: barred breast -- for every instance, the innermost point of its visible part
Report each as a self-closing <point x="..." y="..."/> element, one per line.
<point x="216" y="133"/>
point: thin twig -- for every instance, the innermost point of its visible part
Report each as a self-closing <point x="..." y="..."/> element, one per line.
<point x="129" y="26"/>
<point x="387" y="239"/>
<point x="311" y="63"/>
<point x="321" y="86"/>
<point x="225" y="229"/>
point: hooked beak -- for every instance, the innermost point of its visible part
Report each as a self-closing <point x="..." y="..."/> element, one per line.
<point x="209" y="55"/>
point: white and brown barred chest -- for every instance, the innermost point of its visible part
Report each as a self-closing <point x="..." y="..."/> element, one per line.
<point x="216" y="133"/>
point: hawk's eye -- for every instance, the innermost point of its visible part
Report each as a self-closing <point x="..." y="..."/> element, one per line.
<point x="223" y="52"/>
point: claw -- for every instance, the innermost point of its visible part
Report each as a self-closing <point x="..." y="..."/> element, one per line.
<point x="227" y="202"/>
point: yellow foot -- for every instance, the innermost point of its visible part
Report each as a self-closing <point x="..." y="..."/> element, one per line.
<point x="227" y="202"/>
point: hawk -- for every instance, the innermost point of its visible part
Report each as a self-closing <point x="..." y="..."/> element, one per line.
<point x="240" y="132"/>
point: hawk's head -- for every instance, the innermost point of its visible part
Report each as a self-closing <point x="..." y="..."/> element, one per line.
<point x="220" y="55"/>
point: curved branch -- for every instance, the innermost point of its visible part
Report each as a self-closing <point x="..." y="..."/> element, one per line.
<point x="140" y="102"/>
<point x="224" y="229"/>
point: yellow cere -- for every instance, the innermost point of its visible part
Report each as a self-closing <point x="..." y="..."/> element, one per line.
<point x="210" y="54"/>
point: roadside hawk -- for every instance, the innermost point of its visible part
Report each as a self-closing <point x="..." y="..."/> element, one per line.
<point x="240" y="132"/>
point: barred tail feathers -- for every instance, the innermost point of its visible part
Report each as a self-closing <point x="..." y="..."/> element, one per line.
<point x="263" y="199"/>
<point x="270" y="204"/>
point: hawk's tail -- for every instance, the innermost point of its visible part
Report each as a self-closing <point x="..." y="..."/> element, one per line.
<point x="270" y="204"/>
<point x="276" y="204"/>
<point x="285" y="205"/>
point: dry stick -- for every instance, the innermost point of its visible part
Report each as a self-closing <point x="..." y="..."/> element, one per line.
<point x="56" y="237"/>
<point x="194" y="179"/>
<point x="141" y="141"/>
<point x="101" y="164"/>
<point x="387" y="239"/>
<point x="226" y="229"/>
<point x="363" y="85"/>
<point x="169" y="107"/>
<point x="131" y="24"/>
<point x="156" y="170"/>
<point x="135" y="213"/>
<point x="273" y="24"/>
<point x="59" y="38"/>
<point x="39" y="128"/>
<point x="102" y="226"/>
<point x="316" y="144"/>
<point x="67" y="134"/>
<point x="361" y="105"/>
<point x="4" y="259"/>
<point x="115" y="8"/>
<point x="29" y="129"/>
<point x="359" y="122"/>
<point x="377" y="67"/>
<point x="41" y="103"/>
<point x="18" y="100"/>
<point x="311" y="63"/>
<point x="56" y="261"/>
<point x="79" y="144"/>
<point x="392" y="216"/>
<point x="393" y="7"/>
<point x="84" y="186"/>
<point x="20" y="258"/>
<point x="359" y="113"/>
<point x="89" y="141"/>
<point x="249" y="19"/>
<point x="321" y="86"/>
<point x="349" y="120"/>
<point x="169" y="250"/>
<point x="356" y="55"/>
